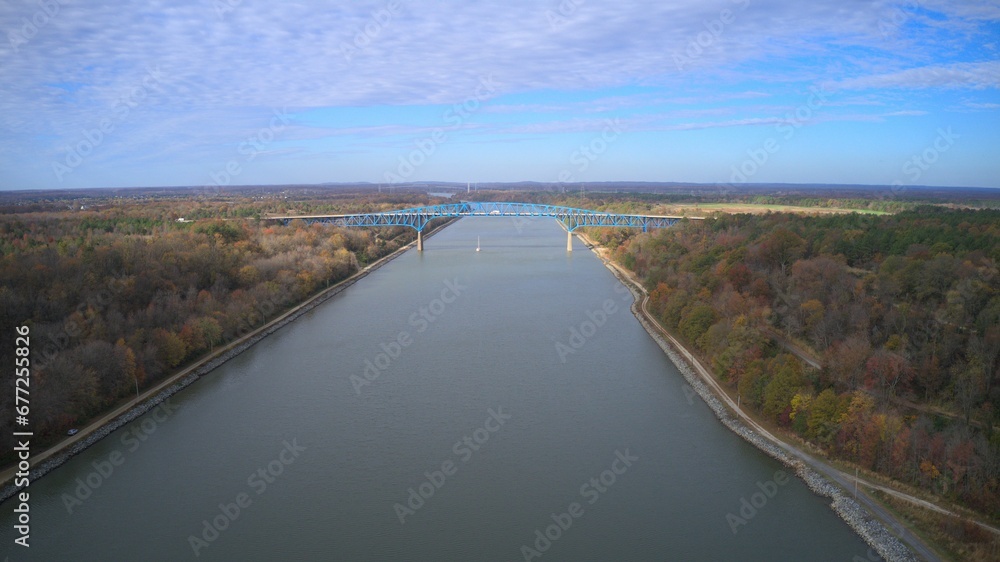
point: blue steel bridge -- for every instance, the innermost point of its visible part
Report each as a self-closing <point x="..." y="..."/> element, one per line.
<point x="418" y="217"/>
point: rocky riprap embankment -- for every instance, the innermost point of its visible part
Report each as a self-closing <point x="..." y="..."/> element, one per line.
<point x="867" y="527"/>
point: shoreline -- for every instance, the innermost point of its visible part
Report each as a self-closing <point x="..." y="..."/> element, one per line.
<point x="871" y="530"/>
<point x="106" y="424"/>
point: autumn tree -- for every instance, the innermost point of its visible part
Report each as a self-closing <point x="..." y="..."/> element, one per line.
<point x="785" y="383"/>
<point x="888" y="373"/>
<point x="781" y="248"/>
<point x="824" y="416"/>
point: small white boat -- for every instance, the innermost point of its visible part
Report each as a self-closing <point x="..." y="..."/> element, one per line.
<point x="477" y="243"/>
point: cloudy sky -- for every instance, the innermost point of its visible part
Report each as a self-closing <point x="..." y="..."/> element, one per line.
<point x="234" y="92"/>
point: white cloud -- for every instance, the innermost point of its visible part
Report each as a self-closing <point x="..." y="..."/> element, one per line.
<point x="287" y="53"/>
<point x="67" y="71"/>
<point x="977" y="105"/>
<point x="974" y="75"/>
<point x="906" y="113"/>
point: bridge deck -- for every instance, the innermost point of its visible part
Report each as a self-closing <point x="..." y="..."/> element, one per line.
<point x="597" y="213"/>
<point x="418" y="217"/>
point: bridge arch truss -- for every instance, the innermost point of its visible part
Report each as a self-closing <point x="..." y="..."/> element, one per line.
<point x="418" y="217"/>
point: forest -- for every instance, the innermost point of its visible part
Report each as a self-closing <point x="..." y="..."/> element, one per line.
<point x="118" y="294"/>
<point x="902" y="313"/>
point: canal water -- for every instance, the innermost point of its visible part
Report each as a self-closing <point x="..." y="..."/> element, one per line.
<point x="453" y="405"/>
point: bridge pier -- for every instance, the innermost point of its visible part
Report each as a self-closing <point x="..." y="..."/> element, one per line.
<point x="418" y="218"/>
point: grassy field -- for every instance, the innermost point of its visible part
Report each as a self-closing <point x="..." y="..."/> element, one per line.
<point x="754" y="208"/>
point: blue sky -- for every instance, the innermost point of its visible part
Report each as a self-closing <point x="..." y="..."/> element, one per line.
<point x="235" y="92"/>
